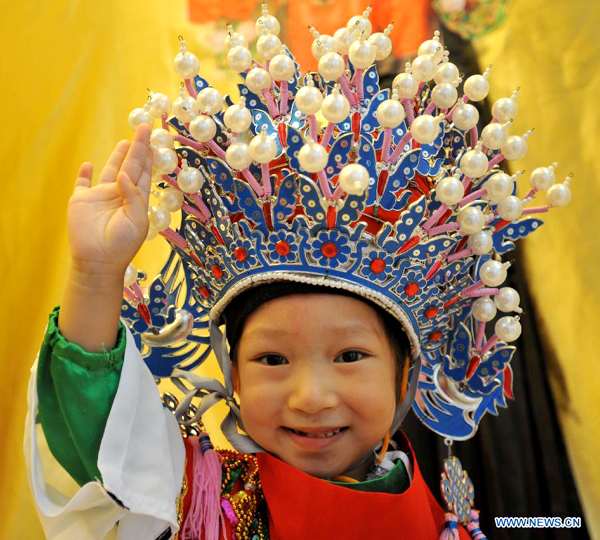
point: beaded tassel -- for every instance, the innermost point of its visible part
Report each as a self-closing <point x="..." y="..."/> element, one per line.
<point x="473" y="527"/>
<point x="450" y="530"/>
<point x="204" y="516"/>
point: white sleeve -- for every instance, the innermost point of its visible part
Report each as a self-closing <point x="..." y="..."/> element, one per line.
<point x="141" y="460"/>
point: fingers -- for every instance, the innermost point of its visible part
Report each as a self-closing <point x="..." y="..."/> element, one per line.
<point x="84" y="176"/>
<point x="146" y="179"/>
<point x="113" y="165"/>
<point x="132" y="199"/>
<point x="138" y="151"/>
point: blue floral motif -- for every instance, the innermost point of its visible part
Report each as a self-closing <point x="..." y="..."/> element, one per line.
<point x="283" y="236"/>
<point x="330" y="248"/>
<point x="250" y="257"/>
<point x="384" y="259"/>
<point x="214" y="276"/>
<point x="411" y="286"/>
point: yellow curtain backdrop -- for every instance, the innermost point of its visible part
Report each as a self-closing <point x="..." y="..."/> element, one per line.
<point x="72" y="70"/>
<point x="551" y="50"/>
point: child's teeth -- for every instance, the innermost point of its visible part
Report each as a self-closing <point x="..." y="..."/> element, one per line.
<point x="329" y="434"/>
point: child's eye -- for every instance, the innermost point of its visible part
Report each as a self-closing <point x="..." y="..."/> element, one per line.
<point x="272" y="360"/>
<point x="351" y="356"/>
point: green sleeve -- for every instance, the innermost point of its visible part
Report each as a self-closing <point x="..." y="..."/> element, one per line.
<point x="76" y="390"/>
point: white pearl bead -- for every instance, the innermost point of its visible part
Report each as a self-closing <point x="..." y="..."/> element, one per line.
<point x="152" y="234"/>
<point x="481" y="242"/>
<point x="159" y="218"/>
<point x="313" y="157"/>
<point x="390" y="113"/>
<point x="493" y="273"/>
<point x="171" y="199"/>
<point x="515" y="147"/>
<point x="382" y="44"/>
<point x="161" y="138"/>
<point x="470" y="219"/>
<point x="268" y="46"/>
<point x="239" y="58"/>
<point x="209" y="101"/>
<point x="474" y="163"/>
<point x="446" y="73"/>
<point x="282" y="67"/>
<point x="432" y="47"/>
<point x="499" y="186"/>
<point x="130" y="275"/>
<point x="483" y="309"/>
<point x="406" y="85"/>
<point x="343" y="39"/>
<point x="449" y="190"/>
<point x="424" y="67"/>
<point x="139" y="116"/>
<point x="186" y="65"/>
<point x="183" y="108"/>
<point x="309" y="100"/>
<point x="425" y="128"/>
<point x="360" y="23"/>
<point x="189" y="180"/>
<point x="237" y="118"/>
<point x="262" y="148"/>
<point x="508" y="328"/>
<point x="331" y="66"/>
<point x="465" y="116"/>
<point x="558" y="195"/>
<point x="238" y="156"/>
<point x="444" y="95"/>
<point x="354" y="179"/>
<point x="322" y="45"/>
<point x="510" y="208"/>
<point x="507" y="299"/>
<point x="335" y="107"/>
<point x="542" y="178"/>
<point x="234" y="39"/>
<point x="258" y="79"/>
<point x="361" y="54"/>
<point x="269" y="23"/>
<point x="159" y="104"/>
<point x="165" y="160"/>
<point x="505" y="109"/>
<point x="203" y="128"/>
<point x="476" y="87"/>
<point x="494" y="135"/>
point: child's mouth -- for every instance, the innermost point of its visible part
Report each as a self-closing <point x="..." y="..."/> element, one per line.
<point x="315" y="438"/>
<point x="323" y="434"/>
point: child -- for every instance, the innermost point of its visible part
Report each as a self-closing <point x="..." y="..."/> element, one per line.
<point x="331" y="288"/>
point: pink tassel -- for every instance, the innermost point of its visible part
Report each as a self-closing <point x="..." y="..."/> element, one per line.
<point x="205" y="511"/>
<point x="473" y="527"/>
<point x="450" y="530"/>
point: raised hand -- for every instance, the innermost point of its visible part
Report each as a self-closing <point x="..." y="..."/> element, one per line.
<point x="107" y="223"/>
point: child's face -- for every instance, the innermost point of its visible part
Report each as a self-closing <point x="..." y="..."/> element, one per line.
<point x="316" y="363"/>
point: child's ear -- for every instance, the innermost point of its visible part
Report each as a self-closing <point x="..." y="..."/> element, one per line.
<point x="235" y="375"/>
<point x="404" y="380"/>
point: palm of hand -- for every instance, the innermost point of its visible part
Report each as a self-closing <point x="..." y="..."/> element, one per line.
<point x="107" y="223"/>
<point x="101" y="229"/>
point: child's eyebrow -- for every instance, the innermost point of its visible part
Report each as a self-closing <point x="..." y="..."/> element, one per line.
<point x="340" y="330"/>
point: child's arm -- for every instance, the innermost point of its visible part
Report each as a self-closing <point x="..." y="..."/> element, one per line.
<point x="107" y="224"/>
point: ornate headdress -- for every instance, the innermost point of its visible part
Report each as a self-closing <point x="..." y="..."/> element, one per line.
<point x="327" y="179"/>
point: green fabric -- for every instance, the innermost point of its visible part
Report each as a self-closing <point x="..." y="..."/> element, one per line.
<point x="394" y="482"/>
<point x="76" y="390"/>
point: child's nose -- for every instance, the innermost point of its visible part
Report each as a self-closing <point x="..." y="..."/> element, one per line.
<point x="312" y="390"/>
